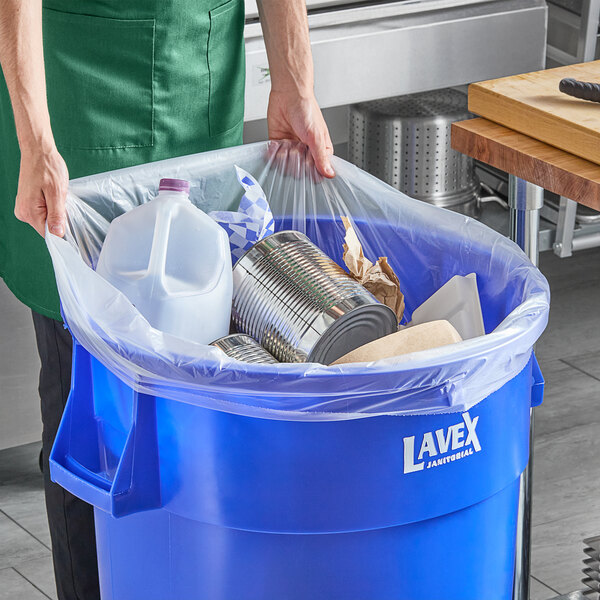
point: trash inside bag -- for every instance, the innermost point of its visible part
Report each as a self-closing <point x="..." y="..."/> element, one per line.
<point x="301" y="305"/>
<point x="251" y="222"/>
<point x="456" y="301"/>
<point x="173" y="263"/>
<point x="424" y="245"/>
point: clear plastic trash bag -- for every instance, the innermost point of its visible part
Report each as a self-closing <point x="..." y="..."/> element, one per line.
<point x="425" y="245"/>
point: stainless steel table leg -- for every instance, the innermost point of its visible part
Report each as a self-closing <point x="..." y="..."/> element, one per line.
<point x="525" y="201"/>
<point x="523" y="549"/>
<point x="565" y="228"/>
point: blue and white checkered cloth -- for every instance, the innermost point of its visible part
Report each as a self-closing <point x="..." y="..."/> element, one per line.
<point x="253" y="221"/>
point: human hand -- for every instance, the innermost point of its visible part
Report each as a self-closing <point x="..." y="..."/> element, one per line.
<point x="294" y="117"/>
<point x="43" y="183"/>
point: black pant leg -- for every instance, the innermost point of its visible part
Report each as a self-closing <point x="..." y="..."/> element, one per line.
<point x="71" y="520"/>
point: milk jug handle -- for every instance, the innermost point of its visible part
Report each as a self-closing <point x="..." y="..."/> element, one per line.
<point x="160" y="240"/>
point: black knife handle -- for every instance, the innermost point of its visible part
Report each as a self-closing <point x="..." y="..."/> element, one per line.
<point x="580" y="89"/>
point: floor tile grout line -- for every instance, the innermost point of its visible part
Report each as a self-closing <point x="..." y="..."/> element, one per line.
<point x="578" y="369"/>
<point x="26" y="478"/>
<point x="25" y="530"/>
<point x="545" y="584"/>
<point x="8" y="568"/>
<point x="552" y="521"/>
<point x="33" y="584"/>
<point x="551" y="435"/>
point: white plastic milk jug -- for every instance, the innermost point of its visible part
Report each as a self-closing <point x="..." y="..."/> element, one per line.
<point x="173" y="262"/>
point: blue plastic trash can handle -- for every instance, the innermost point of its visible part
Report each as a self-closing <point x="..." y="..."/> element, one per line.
<point x="136" y="483"/>
<point x="85" y="474"/>
<point x="538" y="383"/>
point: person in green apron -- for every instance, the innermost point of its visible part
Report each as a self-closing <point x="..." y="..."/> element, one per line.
<point x="93" y="85"/>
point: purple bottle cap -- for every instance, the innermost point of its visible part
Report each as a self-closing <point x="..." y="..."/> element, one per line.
<point x="174" y="185"/>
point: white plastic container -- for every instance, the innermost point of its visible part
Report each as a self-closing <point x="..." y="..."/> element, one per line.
<point x="173" y="262"/>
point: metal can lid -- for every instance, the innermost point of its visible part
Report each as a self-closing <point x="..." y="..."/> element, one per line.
<point x="354" y="329"/>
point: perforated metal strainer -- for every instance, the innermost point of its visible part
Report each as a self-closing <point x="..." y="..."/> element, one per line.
<point x="405" y="141"/>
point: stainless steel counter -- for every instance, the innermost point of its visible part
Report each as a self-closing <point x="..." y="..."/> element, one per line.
<point x="368" y="50"/>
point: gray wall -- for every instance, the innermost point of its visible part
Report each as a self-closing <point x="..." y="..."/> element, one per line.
<point x="20" y="421"/>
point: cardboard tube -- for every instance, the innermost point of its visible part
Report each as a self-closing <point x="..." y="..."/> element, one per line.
<point x="405" y="341"/>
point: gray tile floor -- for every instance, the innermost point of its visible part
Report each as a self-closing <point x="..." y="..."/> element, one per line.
<point x="25" y="560"/>
<point x="567" y="474"/>
<point x="566" y="506"/>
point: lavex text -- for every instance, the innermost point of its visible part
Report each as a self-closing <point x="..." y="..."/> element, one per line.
<point x="434" y="443"/>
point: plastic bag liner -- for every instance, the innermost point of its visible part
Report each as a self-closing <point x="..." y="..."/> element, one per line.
<point x="426" y="246"/>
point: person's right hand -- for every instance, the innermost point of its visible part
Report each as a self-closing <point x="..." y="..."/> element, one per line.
<point x="43" y="183"/>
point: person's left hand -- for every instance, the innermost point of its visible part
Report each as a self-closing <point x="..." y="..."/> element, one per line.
<point x="291" y="116"/>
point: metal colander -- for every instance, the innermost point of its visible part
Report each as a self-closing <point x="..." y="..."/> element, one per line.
<point x="405" y="141"/>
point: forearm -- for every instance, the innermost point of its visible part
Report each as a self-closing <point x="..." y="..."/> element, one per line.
<point x="22" y="60"/>
<point x="43" y="177"/>
<point x="285" y="29"/>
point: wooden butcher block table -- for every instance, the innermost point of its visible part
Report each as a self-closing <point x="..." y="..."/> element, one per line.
<point x="543" y="139"/>
<point x="533" y="105"/>
<point x="529" y="159"/>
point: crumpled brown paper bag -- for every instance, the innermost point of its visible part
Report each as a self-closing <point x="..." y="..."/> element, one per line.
<point x="378" y="278"/>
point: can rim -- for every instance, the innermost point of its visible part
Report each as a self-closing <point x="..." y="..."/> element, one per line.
<point x="319" y="352"/>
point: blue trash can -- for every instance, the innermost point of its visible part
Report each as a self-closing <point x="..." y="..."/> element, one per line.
<point x="219" y="480"/>
<point x="194" y="503"/>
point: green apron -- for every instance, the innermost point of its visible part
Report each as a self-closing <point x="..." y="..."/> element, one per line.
<point x="129" y="82"/>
